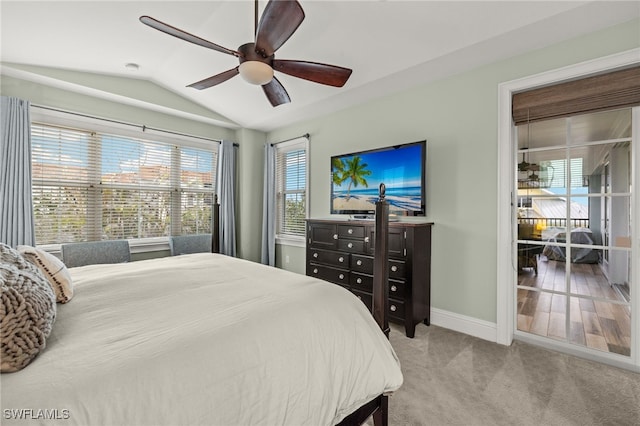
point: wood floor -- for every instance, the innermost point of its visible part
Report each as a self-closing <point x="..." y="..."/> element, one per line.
<point x="597" y="324"/>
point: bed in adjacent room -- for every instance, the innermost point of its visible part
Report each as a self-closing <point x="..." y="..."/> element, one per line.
<point x="580" y="237"/>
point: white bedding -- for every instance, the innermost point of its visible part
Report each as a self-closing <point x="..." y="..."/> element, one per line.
<point x="203" y="339"/>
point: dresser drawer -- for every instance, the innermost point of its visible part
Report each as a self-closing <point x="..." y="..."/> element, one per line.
<point x="396" y="289"/>
<point x="396" y="309"/>
<point x="362" y="264"/>
<point x="364" y="282"/>
<point x="351" y="231"/>
<point x="352" y="246"/>
<point x="327" y="273"/>
<point x="361" y="282"/>
<point x="328" y="257"/>
<point x="396" y="269"/>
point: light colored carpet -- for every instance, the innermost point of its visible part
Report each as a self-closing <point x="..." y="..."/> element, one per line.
<point x="452" y="378"/>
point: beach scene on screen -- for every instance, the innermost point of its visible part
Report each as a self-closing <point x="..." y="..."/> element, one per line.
<point x="356" y="179"/>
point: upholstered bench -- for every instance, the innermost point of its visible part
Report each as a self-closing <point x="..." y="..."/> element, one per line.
<point x="92" y="252"/>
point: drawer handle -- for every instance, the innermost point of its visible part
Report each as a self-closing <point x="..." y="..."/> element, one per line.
<point x="350" y="245"/>
<point x="394" y="288"/>
<point x="359" y="262"/>
<point x="335" y="236"/>
<point x="366" y="239"/>
<point x="341" y="259"/>
<point x="315" y="271"/>
<point x="341" y="276"/>
<point x="350" y="231"/>
<point x="315" y="254"/>
<point x="392" y="308"/>
<point x="394" y="268"/>
<point x="359" y="280"/>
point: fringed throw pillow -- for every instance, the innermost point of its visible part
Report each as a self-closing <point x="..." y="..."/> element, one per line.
<point x="53" y="269"/>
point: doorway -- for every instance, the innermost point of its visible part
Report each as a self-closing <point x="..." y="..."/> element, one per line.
<point x="580" y="266"/>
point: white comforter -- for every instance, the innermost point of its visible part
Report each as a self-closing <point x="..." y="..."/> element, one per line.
<point x="202" y="339"/>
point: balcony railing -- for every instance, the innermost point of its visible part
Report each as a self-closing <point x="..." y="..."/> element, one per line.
<point x="548" y="222"/>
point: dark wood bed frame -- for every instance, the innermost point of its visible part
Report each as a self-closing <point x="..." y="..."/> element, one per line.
<point x="378" y="407"/>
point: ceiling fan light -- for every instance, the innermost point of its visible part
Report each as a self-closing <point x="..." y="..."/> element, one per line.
<point x="256" y="72"/>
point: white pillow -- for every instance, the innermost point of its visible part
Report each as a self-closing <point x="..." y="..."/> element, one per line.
<point x="53" y="269"/>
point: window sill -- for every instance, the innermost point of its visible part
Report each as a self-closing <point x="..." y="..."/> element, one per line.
<point x="291" y="241"/>
<point x="144" y="245"/>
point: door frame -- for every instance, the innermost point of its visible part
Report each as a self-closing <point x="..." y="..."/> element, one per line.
<point x="506" y="228"/>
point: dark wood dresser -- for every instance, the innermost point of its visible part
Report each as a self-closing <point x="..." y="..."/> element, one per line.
<point x="342" y="252"/>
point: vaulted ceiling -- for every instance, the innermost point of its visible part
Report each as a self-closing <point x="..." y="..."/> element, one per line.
<point x="84" y="46"/>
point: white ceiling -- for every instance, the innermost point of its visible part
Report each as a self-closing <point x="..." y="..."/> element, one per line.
<point x="390" y="45"/>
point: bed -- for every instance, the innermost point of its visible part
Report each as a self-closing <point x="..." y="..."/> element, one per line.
<point x="557" y="251"/>
<point x="152" y="343"/>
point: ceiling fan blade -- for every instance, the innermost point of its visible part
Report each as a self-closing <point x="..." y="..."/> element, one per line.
<point x="279" y="20"/>
<point x="183" y="35"/>
<point x="276" y="93"/>
<point x="331" y="75"/>
<point x="216" y="79"/>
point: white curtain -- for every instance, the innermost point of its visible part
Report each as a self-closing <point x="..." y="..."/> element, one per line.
<point x="269" y="207"/>
<point x="16" y="205"/>
<point x="226" y="188"/>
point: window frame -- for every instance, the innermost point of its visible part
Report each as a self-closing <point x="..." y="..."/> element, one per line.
<point x="298" y="144"/>
<point x="47" y="116"/>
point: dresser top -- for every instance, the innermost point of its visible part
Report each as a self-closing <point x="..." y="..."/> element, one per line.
<point x="392" y="224"/>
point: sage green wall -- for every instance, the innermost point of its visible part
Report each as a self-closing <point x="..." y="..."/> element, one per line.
<point x="290" y="259"/>
<point x="458" y="116"/>
<point x="251" y="176"/>
<point x="41" y="94"/>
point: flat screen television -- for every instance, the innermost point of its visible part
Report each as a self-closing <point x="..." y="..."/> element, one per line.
<point x="356" y="178"/>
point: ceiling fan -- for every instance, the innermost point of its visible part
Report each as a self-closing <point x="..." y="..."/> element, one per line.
<point x="524" y="165"/>
<point x="278" y="22"/>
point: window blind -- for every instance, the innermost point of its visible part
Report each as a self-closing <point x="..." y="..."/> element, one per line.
<point x="197" y="172"/>
<point x="612" y="90"/>
<point x="558" y="174"/>
<point x="91" y="186"/>
<point x="291" y="186"/>
<point x="64" y="184"/>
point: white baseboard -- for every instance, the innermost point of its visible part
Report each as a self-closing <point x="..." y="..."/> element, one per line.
<point x="468" y="325"/>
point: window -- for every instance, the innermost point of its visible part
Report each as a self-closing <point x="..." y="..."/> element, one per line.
<point x="573" y="249"/>
<point x="90" y="185"/>
<point x="291" y="189"/>
<point x="558" y="173"/>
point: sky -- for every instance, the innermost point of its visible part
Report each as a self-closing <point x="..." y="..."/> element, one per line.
<point x="118" y="154"/>
<point x="393" y="167"/>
